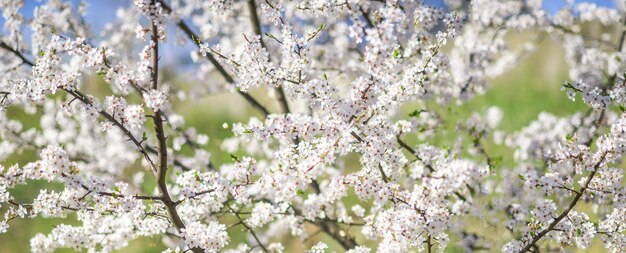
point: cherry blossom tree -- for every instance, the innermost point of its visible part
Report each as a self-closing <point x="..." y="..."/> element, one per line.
<point x="337" y="74"/>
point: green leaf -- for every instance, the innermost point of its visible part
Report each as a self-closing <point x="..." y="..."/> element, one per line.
<point x="301" y="193"/>
<point x="621" y="108"/>
<point x="322" y="26"/>
<point x="271" y="36"/>
<point x="396" y="53"/>
<point x="416" y="113"/>
<point x="234" y="157"/>
<point x="115" y="189"/>
<point x="521" y="177"/>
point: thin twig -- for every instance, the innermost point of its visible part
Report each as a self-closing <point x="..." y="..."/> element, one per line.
<point x="194" y="37"/>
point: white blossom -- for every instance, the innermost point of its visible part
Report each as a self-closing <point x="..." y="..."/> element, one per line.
<point x="373" y="126"/>
<point x="210" y="237"/>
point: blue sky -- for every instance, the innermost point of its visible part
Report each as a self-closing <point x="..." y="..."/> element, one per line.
<point x="554" y="5"/>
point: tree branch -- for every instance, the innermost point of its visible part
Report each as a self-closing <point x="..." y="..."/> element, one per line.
<point x="194" y="37"/>
<point x="256" y="238"/>
<point x="571" y="206"/>
<point x="256" y="25"/>
<point x="161" y="139"/>
<point x="17" y="53"/>
<point x="78" y="95"/>
<point x="81" y="97"/>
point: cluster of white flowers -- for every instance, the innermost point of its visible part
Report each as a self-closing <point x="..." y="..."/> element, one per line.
<point x="262" y="213"/>
<point x="13" y="21"/>
<point x="254" y="67"/>
<point x="156" y="99"/>
<point x="154" y="12"/>
<point x="130" y="115"/>
<point x="336" y="153"/>
<point x="591" y="12"/>
<point x="211" y="237"/>
<point x="54" y="162"/>
<point x="591" y="95"/>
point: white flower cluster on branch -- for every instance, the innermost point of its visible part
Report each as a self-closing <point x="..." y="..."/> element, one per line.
<point x="334" y="154"/>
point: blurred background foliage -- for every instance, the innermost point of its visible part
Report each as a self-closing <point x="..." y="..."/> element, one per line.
<point x="522" y="93"/>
